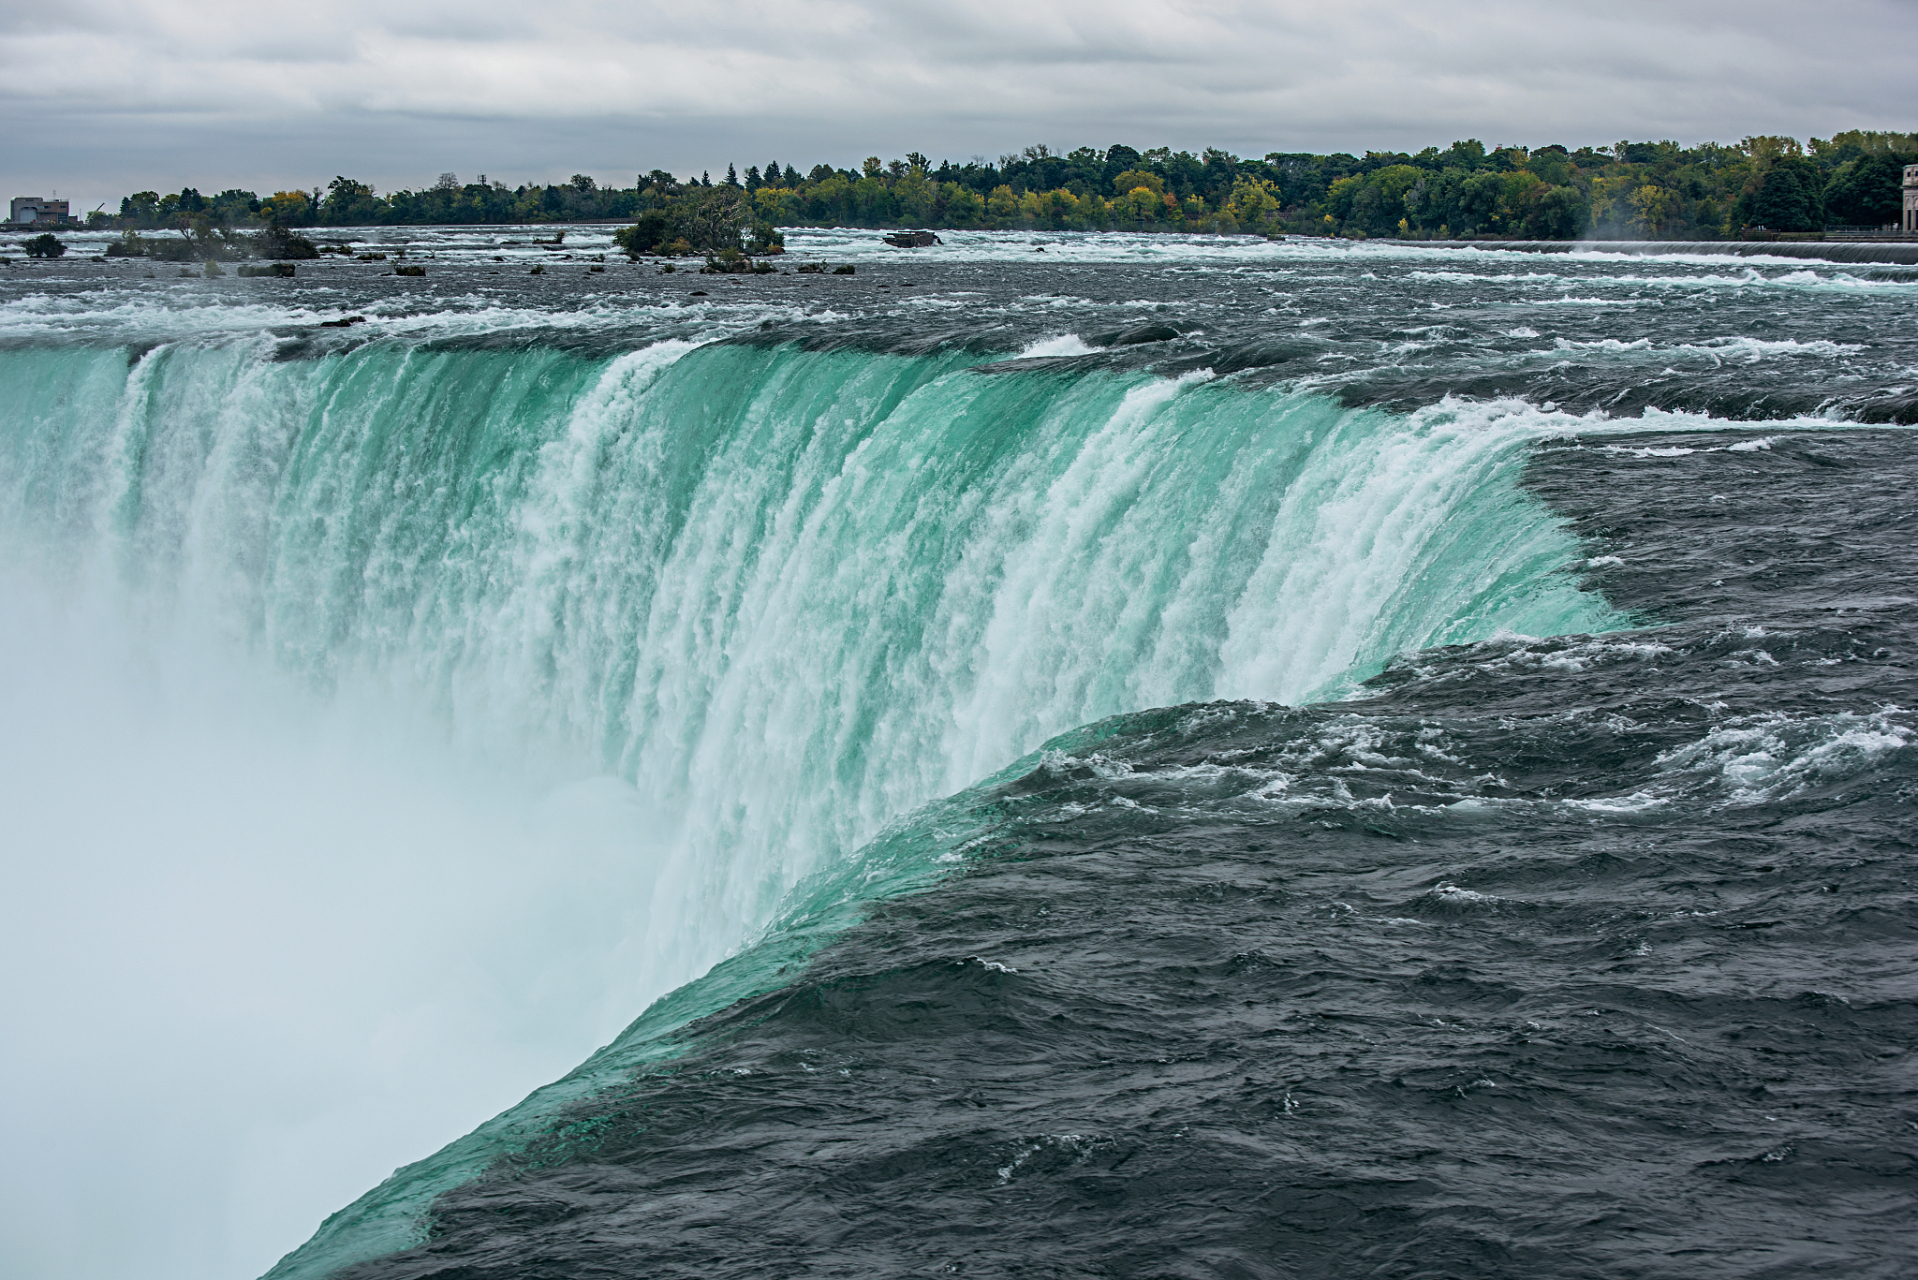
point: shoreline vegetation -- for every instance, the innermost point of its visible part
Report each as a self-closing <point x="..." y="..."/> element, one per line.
<point x="1759" y="188"/>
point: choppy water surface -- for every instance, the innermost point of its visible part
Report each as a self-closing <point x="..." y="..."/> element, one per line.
<point x="1161" y="757"/>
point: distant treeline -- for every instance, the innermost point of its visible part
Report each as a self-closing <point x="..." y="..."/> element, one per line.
<point x="1634" y="190"/>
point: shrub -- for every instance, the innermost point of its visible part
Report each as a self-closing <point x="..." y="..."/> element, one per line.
<point x="45" y="245"/>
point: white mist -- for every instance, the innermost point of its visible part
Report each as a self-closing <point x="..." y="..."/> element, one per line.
<point x="259" y="948"/>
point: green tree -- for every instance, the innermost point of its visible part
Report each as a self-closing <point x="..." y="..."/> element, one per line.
<point x="1559" y="214"/>
<point x="874" y="200"/>
<point x="1469" y="154"/>
<point x="914" y="195"/>
<point x="965" y="207"/>
<point x="829" y="198"/>
<point x="1865" y="142"/>
<point x="141" y="208"/>
<point x="713" y="219"/>
<point x="349" y="203"/>
<point x="1789" y="197"/>
<point x="1481" y="199"/>
<point x="1867" y="192"/>
<point x="1341" y="196"/>
<point x="1765" y="149"/>
<point x="1093" y="212"/>
<point x="1378" y="202"/>
<point x="44" y="245"/>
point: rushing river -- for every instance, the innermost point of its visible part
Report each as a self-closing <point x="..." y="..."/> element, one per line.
<point x="1085" y="756"/>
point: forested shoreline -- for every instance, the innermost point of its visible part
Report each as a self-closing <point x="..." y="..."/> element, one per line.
<point x="1760" y="186"/>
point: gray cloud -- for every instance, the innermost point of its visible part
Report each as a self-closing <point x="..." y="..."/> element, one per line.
<point x="111" y="95"/>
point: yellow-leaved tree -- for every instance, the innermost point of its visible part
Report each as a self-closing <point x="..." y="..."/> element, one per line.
<point x="1651" y="208"/>
<point x="1254" y="204"/>
<point x="290" y="207"/>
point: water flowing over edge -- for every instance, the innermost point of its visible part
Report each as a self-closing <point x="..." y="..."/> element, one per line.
<point x="786" y="596"/>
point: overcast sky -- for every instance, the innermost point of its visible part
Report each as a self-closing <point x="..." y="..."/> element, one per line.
<point x="105" y="96"/>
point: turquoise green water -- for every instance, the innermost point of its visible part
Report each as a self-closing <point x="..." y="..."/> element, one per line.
<point x="790" y="597"/>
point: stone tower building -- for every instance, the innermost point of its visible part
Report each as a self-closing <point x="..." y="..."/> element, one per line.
<point x="1910" y="222"/>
